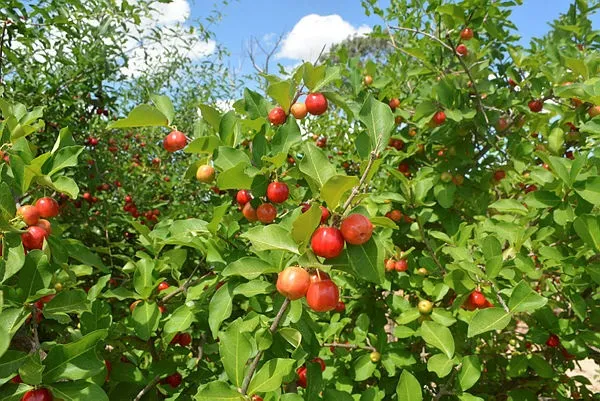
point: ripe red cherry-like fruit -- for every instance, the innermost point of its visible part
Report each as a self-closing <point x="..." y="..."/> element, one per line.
<point x="29" y="214"/>
<point x="243" y="196"/>
<point x="327" y="242"/>
<point x="401" y="265"/>
<point x="553" y="341"/>
<point x="249" y="212"/>
<point x="324" y="214"/>
<point x="477" y="299"/>
<point x="390" y="264"/>
<point x="499" y="175"/>
<point x="257" y="397"/>
<point x="462" y="50"/>
<point x="277" y="116"/>
<point x="184" y="339"/>
<point x="293" y="282"/>
<point x="266" y="213"/>
<point x="175" y="141"/>
<point x="340" y="307"/>
<point x="321" y="362"/>
<point x="301" y="382"/>
<point x="278" y="192"/>
<point x="316" y="103"/>
<point x="319" y="276"/>
<point x="466" y="34"/>
<point x="535" y="105"/>
<point x="45" y="224"/>
<point x="40" y="394"/>
<point x="174" y="380"/>
<point x="163" y="286"/>
<point x="205" y="173"/>
<point x="322" y="296"/>
<point x="439" y="118"/>
<point x="47" y="207"/>
<point x="34" y="238"/>
<point x="356" y="229"/>
<point x="394" y="103"/>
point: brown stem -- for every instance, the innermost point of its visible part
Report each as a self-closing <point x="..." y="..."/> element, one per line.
<point x="188" y="283"/>
<point x="500" y="298"/>
<point x="147" y="388"/>
<point x="429" y="247"/>
<point x="417" y="31"/>
<point x="2" y="47"/>
<point x="257" y="358"/>
<point x="350" y="346"/>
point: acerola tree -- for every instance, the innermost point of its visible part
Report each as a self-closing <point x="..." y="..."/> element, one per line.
<point x="429" y="235"/>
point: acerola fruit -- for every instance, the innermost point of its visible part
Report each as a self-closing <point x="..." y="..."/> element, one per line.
<point x="327" y="242"/>
<point x="502" y="124"/>
<point x="299" y="111"/>
<point x="340" y="307"/>
<point x="394" y="103"/>
<point x="324" y="214"/>
<point x="278" y="192"/>
<point x="319" y="276"/>
<point x="34" y="238"/>
<point x="390" y="264"/>
<point x="446" y="177"/>
<point x="322" y="296"/>
<point x="175" y="141"/>
<point x="462" y="50"/>
<point x="293" y="282"/>
<point x="356" y="229"/>
<point x="277" y="116"/>
<point x="47" y="207"/>
<point x="316" y="103"/>
<point x="425" y="307"/>
<point x="184" y="339"/>
<point x="29" y="214"/>
<point x="375" y="356"/>
<point x="249" y="212"/>
<point x="401" y="265"/>
<point x="466" y="34"/>
<point x="477" y="299"/>
<point x="40" y="394"/>
<point x="594" y="111"/>
<point x="530" y="188"/>
<point x="243" y="196"/>
<point x="535" y="105"/>
<point x="439" y="118"/>
<point x="404" y="167"/>
<point x="321" y="362"/>
<point x="499" y="175"/>
<point x="257" y="397"/>
<point x="266" y="213"/>
<point x="553" y="341"/>
<point x="45" y="224"/>
<point x="17" y="379"/>
<point x="395" y="215"/>
<point x="174" y="380"/>
<point x="163" y="286"/>
<point x="301" y="382"/>
<point x="368" y="80"/>
<point x="205" y="173"/>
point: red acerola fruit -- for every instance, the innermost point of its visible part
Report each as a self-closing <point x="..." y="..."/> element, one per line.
<point x="462" y="50"/>
<point x="277" y="116"/>
<point x="321" y="362"/>
<point x="184" y="339"/>
<point x="30" y="214"/>
<point x="175" y="141"/>
<point x="327" y="242"/>
<point x="249" y="212"/>
<point x="401" y="265"/>
<point x="356" y="229"/>
<point x="301" y="382"/>
<point x="40" y="394"/>
<point x="266" y="213"/>
<point x="34" y="238"/>
<point x="174" y="380"/>
<point x="293" y="282"/>
<point x="466" y="34"/>
<point x="340" y="307"/>
<point x="47" y="207"/>
<point x="553" y="341"/>
<point x="45" y="224"/>
<point x="316" y="103"/>
<point x="163" y="286"/>
<point x="394" y="103"/>
<point x="477" y="299"/>
<point x="499" y="175"/>
<point x="278" y="192"/>
<point x="439" y="118"/>
<point x="243" y="196"/>
<point x="322" y="296"/>
<point x="535" y="105"/>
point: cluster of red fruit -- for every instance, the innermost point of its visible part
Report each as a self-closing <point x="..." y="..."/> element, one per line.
<point x="397" y="216"/>
<point x="35" y="217"/>
<point x="328" y="242"/>
<point x="183" y="339"/>
<point x="131" y="208"/>
<point x="315" y="104"/>
<point x="277" y="192"/>
<point x="400" y="265"/>
<point x="322" y="294"/>
<point x="301" y="371"/>
<point x="466" y="34"/>
<point x="477" y="300"/>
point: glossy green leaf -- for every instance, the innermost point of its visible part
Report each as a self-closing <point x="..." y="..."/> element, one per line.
<point x="525" y="299"/>
<point x="145" y="319"/>
<point x="235" y="349"/>
<point x="143" y="115"/>
<point x="438" y="336"/>
<point x="488" y="319"/>
<point x="470" y="372"/>
<point x="409" y="388"/>
<point x="270" y="376"/>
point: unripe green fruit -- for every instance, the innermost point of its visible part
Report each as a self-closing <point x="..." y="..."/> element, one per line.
<point x="425" y="307"/>
<point x="375" y="356"/>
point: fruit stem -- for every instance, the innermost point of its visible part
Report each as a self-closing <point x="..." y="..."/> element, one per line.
<point x="257" y="358"/>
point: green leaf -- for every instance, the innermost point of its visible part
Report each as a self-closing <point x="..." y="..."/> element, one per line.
<point x="541" y="367"/>
<point x="363" y="368"/>
<point x="254" y="104"/>
<point x="180" y="320"/>
<point x="220" y="307"/>
<point x="492" y="251"/>
<point x="438" y="336"/>
<point x="331" y="74"/>
<point x="100" y="317"/>
<point x="524" y="299"/>
<point x="62" y="184"/>
<point x="335" y="188"/>
<point x="509" y="206"/>
<point x="291" y="335"/>
<point x="218" y="391"/>
<point x="589" y="189"/>
<point x="229" y="129"/>
<point x="316" y="167"/>
<point x="235" y="349"/>
<point x="306" y="224"/>
<point x="469" y="372"/>
<point x="76" y="360"/>
<point x="270" y="237"/>
<point x="282" y="92"/>
<point x="78" y="391"/>
<point x="164" y="105"/>
<point x="444" y="194"/>
<point x="237" y="177"/>
<point x="143" y="115"/>
<point x="313" y="75"/>
<point x="35" y="275"/>
<point x="587" y="227"/>
<point x="5" y="339"/>
<point x="409" y="388"/>
<point x="204" y="144"/>
<point x="366" y="261"/>
<point x="143" y="281"/>
<point x="379" y="120"/>
<point x="440" y="364"/>
<point x="254" y="288"/>
<point x="287" y="136"/>
<point x="210" y="115"/>
<point x="11" y="361"/>
<point x="229" y="157"/>
<point x="488" y="319"/>
<point x="65" y="302"/>
<point x="249" y="268"/>
<point x="270" y="376"/>
<point x="145" y="317"/>
<point x="14" y="262"/>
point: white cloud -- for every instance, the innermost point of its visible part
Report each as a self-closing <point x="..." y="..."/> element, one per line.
<point x="312" y="32"/>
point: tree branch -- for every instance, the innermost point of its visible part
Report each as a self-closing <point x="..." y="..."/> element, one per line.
<point x="2" y="48"/>
<point x="148" y="387"/>
<point x="257" y="358"/>
<point x="429" y="247"/>
<point x="349" y="346"/>
<point x="417" y="31"/>
<point x="188" y="283"/>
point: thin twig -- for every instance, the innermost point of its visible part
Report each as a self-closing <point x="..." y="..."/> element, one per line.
<point x="349" y="346"/>
<point x="147" y="388"/>
<point x="429" y="247"/>
<point x="2" y="47"/>
<point x="417" y="31"/>
<point x="504" y="306"/>
<point x="188" y="283"/>
<point x="256" y="360"/>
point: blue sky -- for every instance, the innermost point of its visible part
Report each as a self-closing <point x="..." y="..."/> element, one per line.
<point x="244" y="19"/>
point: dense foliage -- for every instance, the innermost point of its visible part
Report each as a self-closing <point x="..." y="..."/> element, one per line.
<point x="412" y="218"/>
